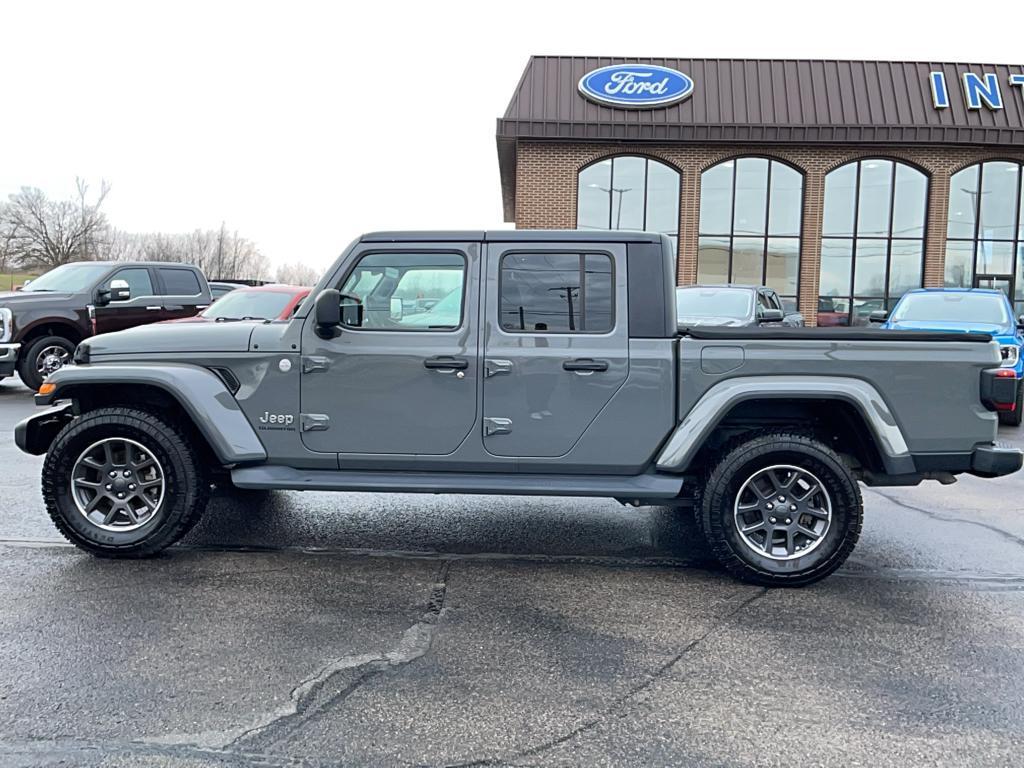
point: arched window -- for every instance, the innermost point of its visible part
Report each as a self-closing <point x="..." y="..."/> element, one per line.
<point x="985" y="234"/>
<point x="872" y="246"/>
<point x="750" y="214"/>
<point x="629" y="192"/>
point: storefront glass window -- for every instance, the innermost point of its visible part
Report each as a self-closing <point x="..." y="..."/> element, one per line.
<point x="872" y="247"/>
<point x="629" y="192"/>
<point x="985" y="234"/>
<point x="749" y="232"/>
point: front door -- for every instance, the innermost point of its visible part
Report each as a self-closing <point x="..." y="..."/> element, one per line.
<point x="143" y="305"/>
<point x="557" y="345"/>
<point x="405" y="380"/>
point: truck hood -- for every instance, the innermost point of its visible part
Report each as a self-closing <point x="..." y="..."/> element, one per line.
<point x="173" y="339"/>
<point x="951" y="327"/>
<point x="15" y="299"/>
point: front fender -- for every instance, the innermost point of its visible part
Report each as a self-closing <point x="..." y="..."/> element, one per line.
<point x="698" y="424"/>
<point x="202" y="394"/>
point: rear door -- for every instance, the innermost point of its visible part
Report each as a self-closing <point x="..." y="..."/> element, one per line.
<point x="182" y="294"/>
<point x="143" y="305"/>
<point x="557" y="344"/>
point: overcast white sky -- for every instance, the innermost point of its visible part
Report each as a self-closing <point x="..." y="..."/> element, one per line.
<point x="294" y="121"/>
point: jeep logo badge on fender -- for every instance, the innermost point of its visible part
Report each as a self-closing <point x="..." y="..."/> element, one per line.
<point x="636" y="85"/>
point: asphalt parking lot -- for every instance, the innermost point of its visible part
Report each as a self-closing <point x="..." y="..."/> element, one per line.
<point x="316" y="629"/>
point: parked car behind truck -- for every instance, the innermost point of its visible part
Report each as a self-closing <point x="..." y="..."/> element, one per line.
<point x="733" y="306"/>
<point x="968" y="310"/>
<point x="557" y="370"/>
<point x="41" y="324"/>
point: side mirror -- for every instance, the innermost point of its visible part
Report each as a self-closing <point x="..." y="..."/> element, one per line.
<point x="351" y="308"/>
<point x="118" y="291"/>
<point x="397" y="308"/>
<point x="1020" y="322"/>
<point x="770" y="316"/>
<point x="878" y="316"/>
<point x="327" y="313"/>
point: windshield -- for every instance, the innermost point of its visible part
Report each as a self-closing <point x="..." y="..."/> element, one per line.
<point x="68" y="278"/>
<point x="242" y="304"/>
<point x="988" y="308"/>
<point x="713" y="302"/>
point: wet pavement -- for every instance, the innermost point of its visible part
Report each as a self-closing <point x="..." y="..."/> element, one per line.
<point x="365" y="630"/>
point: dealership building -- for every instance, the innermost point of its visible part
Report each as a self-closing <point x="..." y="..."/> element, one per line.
<point x="841" y="184"/>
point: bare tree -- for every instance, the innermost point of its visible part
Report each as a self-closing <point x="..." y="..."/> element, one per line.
<point x="46" y="233"/>
<point x="297" y="273"/>
<point x="218" y="253"/>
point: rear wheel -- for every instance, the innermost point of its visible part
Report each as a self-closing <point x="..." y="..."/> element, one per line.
<point x="780" y="509"/>
<point x="42" y="357"/>
<point x="121" y="482"/>
<point x="1013" y="418"/>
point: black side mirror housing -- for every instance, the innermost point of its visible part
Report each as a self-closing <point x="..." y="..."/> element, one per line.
<point x="1020" y="322"/>
<point x="327" y="312"/>
<point x="770" y="316"/>
<point x="351" y="310"/>
<point x="878" y="316"/>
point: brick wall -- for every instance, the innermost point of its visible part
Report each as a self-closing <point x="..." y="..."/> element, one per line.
<point x="546" y="191"/>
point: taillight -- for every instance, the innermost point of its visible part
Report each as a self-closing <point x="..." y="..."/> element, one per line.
<point x="999" y="389"/>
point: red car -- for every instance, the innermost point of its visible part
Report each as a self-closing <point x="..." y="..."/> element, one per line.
<point x="266" y="302"/>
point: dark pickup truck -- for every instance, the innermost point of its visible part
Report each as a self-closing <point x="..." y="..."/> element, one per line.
<point x="41" y="325"/>
<point x="545" y="363"/>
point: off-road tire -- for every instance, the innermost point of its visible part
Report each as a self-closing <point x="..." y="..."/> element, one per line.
<point x="1013" y="418"/>
<point x="27" y="364"/>
<point x="186" y="488"/>
<point x="739" y="461"/>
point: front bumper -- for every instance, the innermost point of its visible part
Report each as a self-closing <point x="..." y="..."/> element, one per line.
<point x="995" y="461"/>
<point x="8" y="358"/>
<point x="35" y="434"/>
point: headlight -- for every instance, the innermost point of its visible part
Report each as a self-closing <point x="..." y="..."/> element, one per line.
<point x="5" y="324"/>
<point x="1011" y="355"/>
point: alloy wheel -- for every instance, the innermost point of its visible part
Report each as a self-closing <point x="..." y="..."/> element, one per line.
<point x="782" y="512"/>
<point x="117" y="484"/>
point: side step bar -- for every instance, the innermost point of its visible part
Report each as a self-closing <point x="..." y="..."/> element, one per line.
<point x="646" y="486"/>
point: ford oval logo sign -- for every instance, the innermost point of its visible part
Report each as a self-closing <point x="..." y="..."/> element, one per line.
<point x="636" y="85"/>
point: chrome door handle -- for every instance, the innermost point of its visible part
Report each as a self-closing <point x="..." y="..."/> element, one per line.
<point x="585" y="364"/>
<point x="154" y="309"/>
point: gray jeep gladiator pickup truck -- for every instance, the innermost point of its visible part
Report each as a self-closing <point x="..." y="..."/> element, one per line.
<point x="516" y="362"/>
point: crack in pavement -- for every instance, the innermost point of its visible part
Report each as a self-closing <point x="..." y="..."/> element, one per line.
<point x="951" y="519"/>
<point x="314" y="695"/>
<point x="619" y="703"/>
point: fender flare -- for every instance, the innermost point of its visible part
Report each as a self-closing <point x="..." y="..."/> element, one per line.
<point x="212" y="408"/>
<point x="697" y="425"/>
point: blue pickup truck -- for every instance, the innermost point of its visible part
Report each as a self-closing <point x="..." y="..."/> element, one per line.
<point x="970" y="310"/>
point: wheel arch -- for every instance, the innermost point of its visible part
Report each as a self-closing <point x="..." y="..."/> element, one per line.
<point x="850" y="413"/>
<point x="52" y="327"/>
<point x="193" y="392"/>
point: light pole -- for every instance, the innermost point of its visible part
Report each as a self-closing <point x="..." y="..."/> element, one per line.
<point x="611" y="191"/>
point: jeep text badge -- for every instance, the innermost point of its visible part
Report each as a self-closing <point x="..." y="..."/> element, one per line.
<point x="636" y="85"/>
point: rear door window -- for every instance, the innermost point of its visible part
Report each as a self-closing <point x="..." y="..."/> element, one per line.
<point x="556" y="293"/>
<point x="179" y="282"/>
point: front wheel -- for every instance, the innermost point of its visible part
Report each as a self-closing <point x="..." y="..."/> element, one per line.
<point x="43" y="357"/>
<point x="121" y="482"/>
<point x="781" y="509"/>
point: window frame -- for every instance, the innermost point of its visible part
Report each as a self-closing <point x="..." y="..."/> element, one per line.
<point x="582" y="254"/>
<point x="674" y="235"/>
<point x="887" y="298"/>
<point x="407" y="252"/>
<point x="1016" y="241"/>
<point x="731" y="236"/>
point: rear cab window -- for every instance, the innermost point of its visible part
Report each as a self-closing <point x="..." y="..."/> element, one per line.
<point x="179" y="282"/>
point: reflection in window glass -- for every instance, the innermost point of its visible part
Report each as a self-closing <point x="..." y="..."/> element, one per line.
<point x="408" y="291"/>
<point x="628" y="192"/>
<point x="556" y="293"/>
<point x="985" y="230"/>
<point x="885" y="203"/>
<point x="750" y="218"/>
